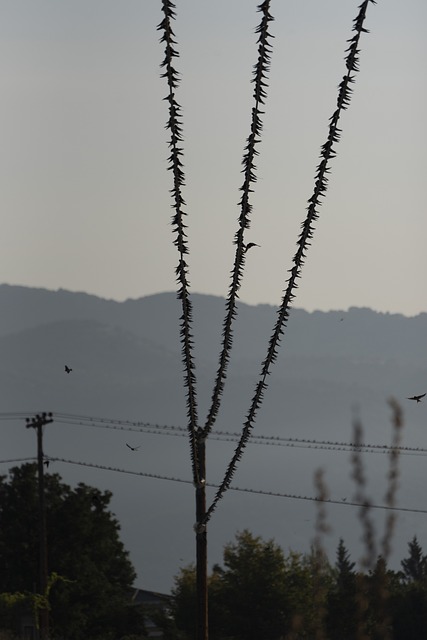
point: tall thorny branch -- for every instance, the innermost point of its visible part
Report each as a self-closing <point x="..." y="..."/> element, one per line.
<point x="260" y="73"/>
<point x="176" y="166"/>
<point x="320" y="188"/>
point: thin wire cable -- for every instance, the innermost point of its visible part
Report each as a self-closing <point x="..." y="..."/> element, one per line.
<point x="274" y="494"/>
<point x="144" y="426"/>
<point x="219" y="435"/>
<point x="17" y="460"/>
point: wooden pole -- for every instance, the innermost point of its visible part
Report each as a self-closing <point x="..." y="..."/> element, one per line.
<point x="201" y="545"/>
<point x="38" y="423"/>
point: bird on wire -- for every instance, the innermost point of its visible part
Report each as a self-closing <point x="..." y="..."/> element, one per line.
<point x="417" y="398"/>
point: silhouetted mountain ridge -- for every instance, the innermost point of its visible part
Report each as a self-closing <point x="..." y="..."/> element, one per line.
<point x="359" y="333"/>
<point x="127" y="357"/>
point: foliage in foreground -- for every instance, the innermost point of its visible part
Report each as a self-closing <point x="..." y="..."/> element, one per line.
<point x="89" y="599"/>
<point x="260" y="592"/>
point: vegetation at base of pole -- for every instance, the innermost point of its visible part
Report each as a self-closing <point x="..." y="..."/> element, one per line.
<point x="91" y="576"/>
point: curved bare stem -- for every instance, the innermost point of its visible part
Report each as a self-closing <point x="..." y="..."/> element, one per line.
<point x="320" y="187"/>
<point x="260" y="74"/>
<point x="176" y="166"/>
<point x="393" y="477"/>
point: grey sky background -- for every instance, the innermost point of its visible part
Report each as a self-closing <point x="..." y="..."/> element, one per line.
<point x="84" y="191"/>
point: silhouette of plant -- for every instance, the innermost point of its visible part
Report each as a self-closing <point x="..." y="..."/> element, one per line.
<point x="393" y="476"/>
<point x="260" y="76"/>
<point x="176" y="166"/>
<point x="198" y="434"/>
<point x="377" y="587"/>
<point x="306" y="235"/>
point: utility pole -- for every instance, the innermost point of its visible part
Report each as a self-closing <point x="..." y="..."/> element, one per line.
<point x="201" y="542"/>
<point x="37" y="423"/>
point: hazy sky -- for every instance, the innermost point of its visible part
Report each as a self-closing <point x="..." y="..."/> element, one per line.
<point x="84" y="188"/>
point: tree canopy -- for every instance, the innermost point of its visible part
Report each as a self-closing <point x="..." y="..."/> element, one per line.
<point x="261" y="592"/>
<point x="91" y="598"/>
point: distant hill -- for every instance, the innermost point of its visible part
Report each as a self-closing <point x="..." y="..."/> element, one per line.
<point x="358" y="333"/>
<point x="135" y="345"/>
<point x="127" y="365"/>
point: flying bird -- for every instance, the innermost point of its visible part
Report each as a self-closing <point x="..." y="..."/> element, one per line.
<point x="417" y="398"/>
<point x="133" y="448"/>
<point x="250" y="245"/>
<point x="67" y="369"/>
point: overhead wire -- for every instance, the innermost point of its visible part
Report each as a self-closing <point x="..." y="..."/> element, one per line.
<point x="17" y="460"/>
<point x="218" y="435"/>
<point x="212" y="485"/>
<point x="275" y="494"/>
<point x="174" y="430"/>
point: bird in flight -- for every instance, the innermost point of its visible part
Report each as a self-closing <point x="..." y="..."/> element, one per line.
<point x="132" y="448"/>
<point x="417" y="398"/>
<point x="250" y="245"/>
<point x="67" y="369"/>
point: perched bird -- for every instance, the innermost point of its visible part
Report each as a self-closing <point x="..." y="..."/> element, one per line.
<point x="67" y="369"/>
<point x="250" y="245"/>
<point x="417" y="398"/>
<point x="132" y="448"/>
<point x="46" y="463"/>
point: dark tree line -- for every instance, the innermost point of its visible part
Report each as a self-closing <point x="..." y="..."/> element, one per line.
<point x="91" y="574"/>
<point x="260" y="592"/>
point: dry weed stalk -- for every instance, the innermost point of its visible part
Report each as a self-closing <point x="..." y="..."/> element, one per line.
<point x="393" y="477"/>
<point x="372" y="583"/>
<point x="321" y="528"/>
<point x="358" y="475"/>
<point x="378" y="589"/>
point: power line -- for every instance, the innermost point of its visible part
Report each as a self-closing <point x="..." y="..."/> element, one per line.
<point x="157" y="429"/>
<point x="16" y="415"/>
<point x="17" y="460"/>
<point x="274" y="494"/>
<point x="220" y="435"/>
<point x="229" y="436"/>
